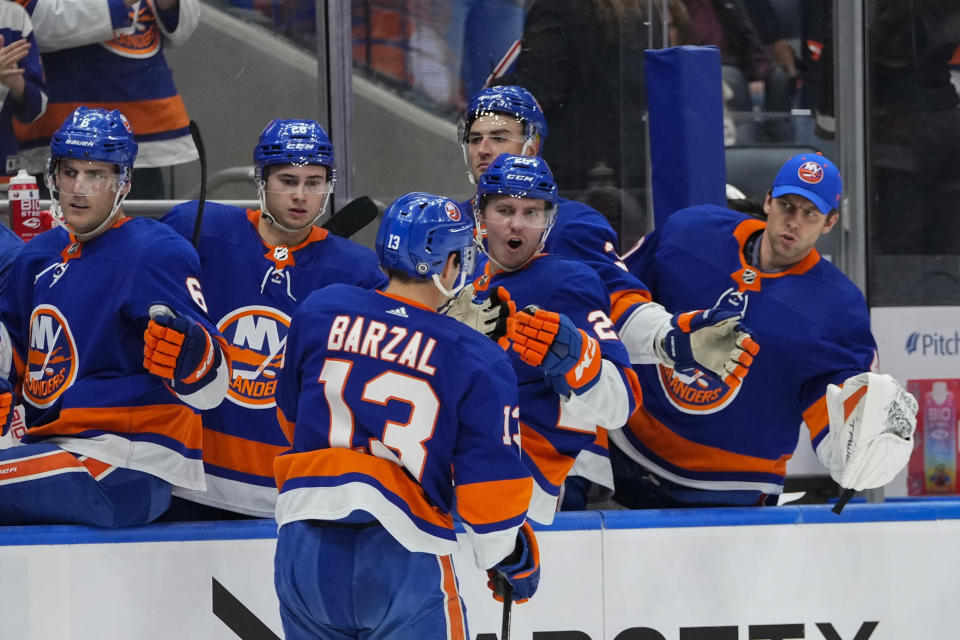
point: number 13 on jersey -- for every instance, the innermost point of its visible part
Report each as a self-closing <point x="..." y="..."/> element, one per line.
<point x="401" y="442"/>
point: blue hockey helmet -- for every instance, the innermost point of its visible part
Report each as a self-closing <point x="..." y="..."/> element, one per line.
<point x="96" y="134"/>
<point x="510" y="100"/>
<point x="293" y="142"/>
<point x="516" y="177"/>
<point x="519" y="177"/>
<point x="419" y="231"/>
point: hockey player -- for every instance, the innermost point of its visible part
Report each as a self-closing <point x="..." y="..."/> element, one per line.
<point x="508" y="119"/>
<point x="112" y="347"/>
<point x="258" y="266"/>
<point x="397" y="416"/>
<point x="573" y="371"/>
<point x="696" y="442"/>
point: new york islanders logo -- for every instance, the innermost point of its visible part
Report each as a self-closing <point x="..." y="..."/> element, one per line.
<point x="52" y="360"/>
<point x="141" y="39"/>
<point x="256" y="337"/>
<point x="452" y="211"/>
<point x="810" y="172"/>
<point x="697" y="394"/>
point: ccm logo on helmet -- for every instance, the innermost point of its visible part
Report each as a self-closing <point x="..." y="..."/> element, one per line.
<point x="810" y="172"/>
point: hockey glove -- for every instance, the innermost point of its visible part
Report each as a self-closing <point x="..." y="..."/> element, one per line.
<point x="488" y="317"/>
<point x="6" y="406"/>
<point x="713" y="342"/>
<point x="177" y="348"/>
<point x="521" y="568"/>
<point x="872" y="420"/>
<point x="569" y="358"/>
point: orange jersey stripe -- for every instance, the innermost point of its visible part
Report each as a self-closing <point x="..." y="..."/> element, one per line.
<point x="623" y="300"/>
<point x="95" y="467"/>
<point x="694" y="456"/>
<point x="175" y="421"/>
<point x="286" y="425"/>
<point x="330" y="463"/>
<point x="146" y="117"/>
<point x="239" y="454"/>
<point x="496" y="501"/>
<point x="457" y="628"/>
<point x="816" y="417"/>
<point x="38" y="465"/>
<point x="552" y="464"/>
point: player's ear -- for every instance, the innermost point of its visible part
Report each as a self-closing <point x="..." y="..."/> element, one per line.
<point x="452" y="268"/>
<point x="832" y="218"/>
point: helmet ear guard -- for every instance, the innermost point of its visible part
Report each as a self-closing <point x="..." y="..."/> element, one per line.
<point x="418" y="233"/>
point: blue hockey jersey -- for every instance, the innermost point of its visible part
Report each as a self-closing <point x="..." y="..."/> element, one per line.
<point x="252" y="291"/>
<point x="555" y="429"/>
<point x="812" y="325"/>
<point x="76" y="314"/>
<point x="402" y="414"/>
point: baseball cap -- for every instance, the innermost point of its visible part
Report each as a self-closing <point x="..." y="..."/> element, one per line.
<point x="812" y="176"/>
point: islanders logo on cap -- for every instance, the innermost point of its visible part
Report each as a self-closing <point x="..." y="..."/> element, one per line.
<point x="453" y="212"/>
<point x="810" y="172"/>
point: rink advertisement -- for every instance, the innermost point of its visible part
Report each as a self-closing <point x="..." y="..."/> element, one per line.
<point x="920" y="347"/>
<point x="710" y="574"/>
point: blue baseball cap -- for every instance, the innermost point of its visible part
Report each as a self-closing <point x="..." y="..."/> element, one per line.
<point x="812" y="176"/>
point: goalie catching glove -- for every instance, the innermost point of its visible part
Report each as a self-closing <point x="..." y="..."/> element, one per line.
<point x="488" y="317"/>
<point x="570" y="359"/>
<point x="178" y="349"/>
<point x="521" y="568"/>
<point x="711" y="341"/>
<point x="872" y="420"/>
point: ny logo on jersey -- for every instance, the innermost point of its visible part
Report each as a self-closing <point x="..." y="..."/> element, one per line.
<point x="256" y="337"/>
<point x="52" y="361"/>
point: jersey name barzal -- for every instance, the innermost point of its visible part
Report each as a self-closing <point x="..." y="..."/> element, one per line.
<point x="399" y="414"/>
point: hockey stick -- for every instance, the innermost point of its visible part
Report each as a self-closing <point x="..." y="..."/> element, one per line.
<point x="507" y="588"/>
<point x="202" y="153"/>
<point x="352" y="217"/>
<point x="842" y="502"/>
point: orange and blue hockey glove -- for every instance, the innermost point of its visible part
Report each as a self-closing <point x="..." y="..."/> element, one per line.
<point x="570" y="359"/>
<point x="178" y="349"/>
<point x="713" y="342"/>
<point x="6" y="405"/>
<point x="521" y="568"/>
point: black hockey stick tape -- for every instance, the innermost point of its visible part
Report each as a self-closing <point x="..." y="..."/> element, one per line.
<point x="352" y="217"/>
<point x="842" y="502"/>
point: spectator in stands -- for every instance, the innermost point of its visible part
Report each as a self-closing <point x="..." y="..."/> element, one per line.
<point x="583" y="60"/>
<point x="110" y="54"/>
<point x="746" y="65"/>
<point x="21" y="80"/>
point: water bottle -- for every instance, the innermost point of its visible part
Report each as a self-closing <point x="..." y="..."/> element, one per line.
<point x="23" y="198"/>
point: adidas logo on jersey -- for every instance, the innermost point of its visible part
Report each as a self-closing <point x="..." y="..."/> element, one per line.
<point x="399" y="311"/>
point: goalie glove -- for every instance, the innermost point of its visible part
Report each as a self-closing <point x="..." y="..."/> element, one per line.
<point x="569" y="358"/>
<point x="711" y="341"/>
<point x="521" y="568"/>
<point x="872" y="420"/>
<point x="178" y="349"/>
<point x="488" y="317"/>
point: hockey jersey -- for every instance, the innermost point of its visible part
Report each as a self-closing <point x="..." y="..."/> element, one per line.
<point x="252" y="290"/>
<point x="76" y="314"/>
<point x="403" y="415"/>
<point x="555" y="429"/>
<point x="14" y="25"/>
<point x="813" y="327"/>
<point x="104" y="54"/>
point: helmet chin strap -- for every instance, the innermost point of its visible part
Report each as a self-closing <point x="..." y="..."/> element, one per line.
<point x="446" y="292"/>
<point x="272" y="220"/>
<point x="100" y="228"/>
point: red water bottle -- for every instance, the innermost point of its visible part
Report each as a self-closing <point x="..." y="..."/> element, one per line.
<point x="23" y="197"/>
